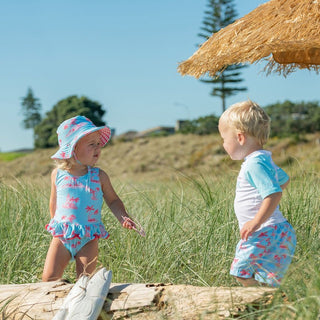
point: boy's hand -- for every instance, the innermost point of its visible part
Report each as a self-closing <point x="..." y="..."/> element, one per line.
<point x="269" y="204"/>
<point x="248" y="228"/>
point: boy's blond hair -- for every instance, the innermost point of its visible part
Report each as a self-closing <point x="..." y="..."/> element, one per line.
<point x="248" y="117"/>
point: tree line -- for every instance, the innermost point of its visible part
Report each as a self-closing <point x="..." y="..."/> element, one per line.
<point x="287" y="118"/>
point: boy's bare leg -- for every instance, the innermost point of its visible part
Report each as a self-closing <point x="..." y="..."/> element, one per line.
<point x="250" y="282"/>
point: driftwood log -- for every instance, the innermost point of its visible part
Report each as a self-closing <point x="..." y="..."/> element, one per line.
<point x="133" y="301"/>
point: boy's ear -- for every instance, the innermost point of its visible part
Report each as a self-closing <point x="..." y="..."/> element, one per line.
<point x="241" y="138"/>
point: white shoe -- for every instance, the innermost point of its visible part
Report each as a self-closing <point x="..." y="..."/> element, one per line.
<point x="77" y="293"/>
<point x="85" y="300"/>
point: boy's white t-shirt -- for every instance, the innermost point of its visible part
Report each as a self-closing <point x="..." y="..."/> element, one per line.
<point x="258" y="178"/>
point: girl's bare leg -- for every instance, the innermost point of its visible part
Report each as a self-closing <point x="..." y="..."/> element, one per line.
<point x="86" y="258"/>
<point x="56" y="261"/>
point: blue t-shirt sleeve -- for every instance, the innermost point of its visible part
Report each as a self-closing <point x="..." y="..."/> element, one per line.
<point x="282" y="176"/>
<point x="265" y="177"/>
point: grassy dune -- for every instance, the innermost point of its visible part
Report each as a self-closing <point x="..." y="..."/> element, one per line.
<point x="161" y="158"/>
<point x="183" y="196"/>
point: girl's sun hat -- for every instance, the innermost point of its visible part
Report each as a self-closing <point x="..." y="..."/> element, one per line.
<point x="72" y="130"/>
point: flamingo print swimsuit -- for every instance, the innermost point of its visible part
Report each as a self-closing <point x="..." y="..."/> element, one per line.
<point x="77" y="219"/>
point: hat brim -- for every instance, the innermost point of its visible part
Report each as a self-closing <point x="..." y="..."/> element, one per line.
<point x="66" y="151"/>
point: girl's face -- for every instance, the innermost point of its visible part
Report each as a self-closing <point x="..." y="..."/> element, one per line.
<point x="88" y="149"/>
<point x="232" y="141"/>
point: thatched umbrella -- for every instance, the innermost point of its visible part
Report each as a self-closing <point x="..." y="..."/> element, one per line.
<point x="288" y="30"/>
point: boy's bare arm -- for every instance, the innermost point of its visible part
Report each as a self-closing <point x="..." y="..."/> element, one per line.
<point x="283" y="186"/>
<point x="269" y="204"/>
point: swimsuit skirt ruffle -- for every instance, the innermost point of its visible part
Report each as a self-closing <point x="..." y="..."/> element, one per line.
<point x="69" y="230"/>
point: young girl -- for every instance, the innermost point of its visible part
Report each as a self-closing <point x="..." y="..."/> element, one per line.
<point x="267" y="240"/>
<point x="77" y="192"/>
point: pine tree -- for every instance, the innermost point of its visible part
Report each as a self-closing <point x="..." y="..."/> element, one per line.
<point x="31" y="110"/>
<point x="220" y="14"/>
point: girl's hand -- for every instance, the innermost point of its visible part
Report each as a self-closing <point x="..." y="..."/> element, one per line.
<point x="130" y="224"/>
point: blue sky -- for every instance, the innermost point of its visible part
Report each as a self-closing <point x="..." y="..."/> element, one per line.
<point x="123" y="54"/>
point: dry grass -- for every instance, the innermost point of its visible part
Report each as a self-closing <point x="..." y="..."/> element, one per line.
<point x="161" y="157"/>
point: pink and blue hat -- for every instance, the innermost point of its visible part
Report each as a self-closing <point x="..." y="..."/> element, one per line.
<point x="72" y="130"/>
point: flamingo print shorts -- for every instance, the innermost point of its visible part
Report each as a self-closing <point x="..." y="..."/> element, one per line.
<point x="266" y="255"/>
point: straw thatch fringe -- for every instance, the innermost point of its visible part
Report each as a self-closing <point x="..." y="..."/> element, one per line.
<point x="287" y="32"/>
<point x="284" y="69"/>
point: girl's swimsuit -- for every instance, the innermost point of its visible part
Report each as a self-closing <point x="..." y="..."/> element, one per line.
<point x="77" y="219"/>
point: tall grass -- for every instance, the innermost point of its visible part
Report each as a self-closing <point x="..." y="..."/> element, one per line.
<point x="188" y="240"/>
<point x="22" y="241"/>
<point x="191" y="234"/>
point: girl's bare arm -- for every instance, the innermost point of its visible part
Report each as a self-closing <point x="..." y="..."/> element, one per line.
<point x="53" y="194"/>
